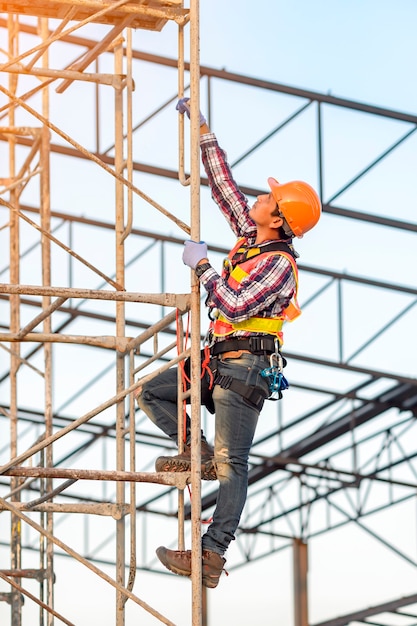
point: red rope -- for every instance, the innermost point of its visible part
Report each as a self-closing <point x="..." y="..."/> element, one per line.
<point x="205" y="368"/>
<point x="184" y="377"/>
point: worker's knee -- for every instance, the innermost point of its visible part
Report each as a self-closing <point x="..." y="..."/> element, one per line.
<point x="222" y="461"/>
<point x="223" y="469"/>
<point x="228" y="466"/>
<point x="142" y="395"/>
<point x="150" y="388"/>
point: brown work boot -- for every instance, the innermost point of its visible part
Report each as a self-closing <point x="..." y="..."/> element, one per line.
<point x="213" y="565"/>
<point x="182" y="462"/>
<point x="179" y="562"/>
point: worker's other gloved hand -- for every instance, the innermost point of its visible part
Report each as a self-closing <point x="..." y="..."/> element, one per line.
<point x="194" y="251"/>
<point x="183" y="106"/>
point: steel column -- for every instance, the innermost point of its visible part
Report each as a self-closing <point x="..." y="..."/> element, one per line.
<point x="300" y="570"/>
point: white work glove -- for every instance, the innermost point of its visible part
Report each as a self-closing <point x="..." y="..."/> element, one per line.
<point x="193" y="252"/>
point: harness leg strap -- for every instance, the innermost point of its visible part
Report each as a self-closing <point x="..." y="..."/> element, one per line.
<point x="253" y="396"/>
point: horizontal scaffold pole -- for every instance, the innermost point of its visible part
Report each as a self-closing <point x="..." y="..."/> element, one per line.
<point x="180" y="301"/>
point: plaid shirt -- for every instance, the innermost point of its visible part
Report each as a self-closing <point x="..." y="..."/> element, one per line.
<point x="268" y="289"/>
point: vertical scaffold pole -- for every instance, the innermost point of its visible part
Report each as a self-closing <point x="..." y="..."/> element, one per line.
<point x="45" y="210"/>
<point x="15" y="531"/>
<point x="180" y="414"/>
<point x="195" y="317"/>
<point x="128" y="227"/>
<point x="120" y="331"/>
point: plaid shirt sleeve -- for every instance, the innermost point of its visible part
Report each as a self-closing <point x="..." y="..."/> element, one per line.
<point x="224" y="190"/>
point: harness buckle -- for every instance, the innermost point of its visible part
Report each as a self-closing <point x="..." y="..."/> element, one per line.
<point x="259" y="344"/>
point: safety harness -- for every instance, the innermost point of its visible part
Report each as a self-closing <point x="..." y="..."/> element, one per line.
<point x="236" y="268"/>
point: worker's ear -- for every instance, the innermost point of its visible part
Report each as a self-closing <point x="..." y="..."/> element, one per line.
<point x="276" y="221"/>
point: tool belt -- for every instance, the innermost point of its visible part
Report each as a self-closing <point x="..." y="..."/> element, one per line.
<point x="257" y="344"/>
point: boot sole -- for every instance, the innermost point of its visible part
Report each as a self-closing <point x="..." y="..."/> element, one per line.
<point x="209" y="584"/>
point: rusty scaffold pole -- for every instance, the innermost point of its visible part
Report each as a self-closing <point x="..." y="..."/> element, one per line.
<point x="196" y="558"/>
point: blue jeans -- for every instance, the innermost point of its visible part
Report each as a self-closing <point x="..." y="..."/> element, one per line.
<point x="235" y="426"/>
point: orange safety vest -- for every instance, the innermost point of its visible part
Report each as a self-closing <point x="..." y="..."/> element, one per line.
<point x="269" y="325"/>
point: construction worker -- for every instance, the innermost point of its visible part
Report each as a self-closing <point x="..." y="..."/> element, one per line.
<point x="248" y="304"/>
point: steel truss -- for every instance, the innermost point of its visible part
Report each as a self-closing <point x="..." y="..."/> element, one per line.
<point x="342" y="453"/>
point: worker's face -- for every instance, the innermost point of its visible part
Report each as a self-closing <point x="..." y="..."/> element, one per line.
<point x="261" y="212"/>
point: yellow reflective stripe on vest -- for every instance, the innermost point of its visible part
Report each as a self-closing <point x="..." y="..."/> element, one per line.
<point x="238" y="274"/>
<point x="254" y="324"/>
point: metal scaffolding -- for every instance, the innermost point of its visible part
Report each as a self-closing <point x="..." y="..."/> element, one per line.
<point x="345" y="451"/>
<point x="33" y="61"/>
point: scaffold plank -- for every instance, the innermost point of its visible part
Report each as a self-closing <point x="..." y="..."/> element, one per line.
<point x="148" y="14"/>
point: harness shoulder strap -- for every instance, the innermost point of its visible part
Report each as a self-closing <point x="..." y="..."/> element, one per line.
<point x="243" y="254"/>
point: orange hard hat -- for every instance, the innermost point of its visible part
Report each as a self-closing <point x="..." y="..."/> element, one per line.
<point x="298" y="203"/>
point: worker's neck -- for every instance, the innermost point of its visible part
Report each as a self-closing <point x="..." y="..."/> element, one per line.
<point x="266" y="234"/>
